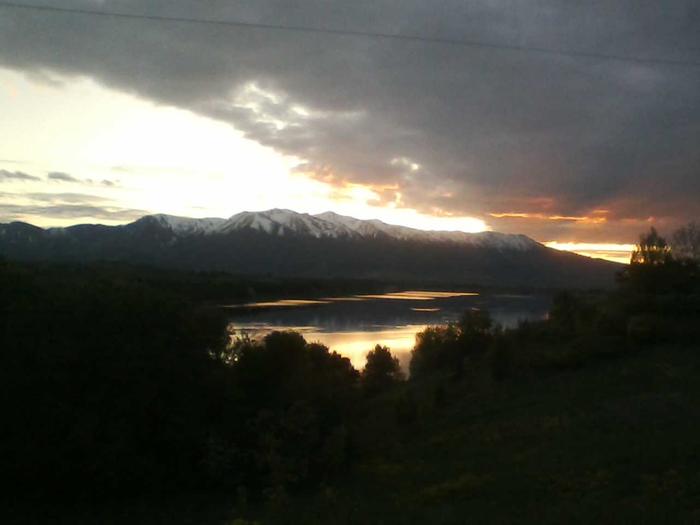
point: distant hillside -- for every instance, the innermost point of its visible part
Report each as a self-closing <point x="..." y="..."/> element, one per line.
<point x="283" y="243"/>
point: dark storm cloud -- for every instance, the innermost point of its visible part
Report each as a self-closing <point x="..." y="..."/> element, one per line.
<point x="454" y="129"/>
<point x="7" y="176"/>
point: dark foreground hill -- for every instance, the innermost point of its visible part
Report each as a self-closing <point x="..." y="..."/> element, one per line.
<point x="286" y="244"/>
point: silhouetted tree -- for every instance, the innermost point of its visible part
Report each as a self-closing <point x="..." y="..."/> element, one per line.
<point x="685" y="243"/>
<point x="381" y="372"/>
<point x="444" y="348"/>
<point x="475" y="329"/>
<point x="655" y="270"/>
<point x="436" y="348"/>
<point x="294" y="403"/>
<point x="652" y="249"/>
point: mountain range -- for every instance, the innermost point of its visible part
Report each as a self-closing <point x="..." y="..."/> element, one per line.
<point x="284" y="243"/>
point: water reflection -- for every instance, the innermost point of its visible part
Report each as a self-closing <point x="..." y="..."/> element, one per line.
<point x="417" y="296"/>
<point x="410" y="295"/>
<point x="352" y="325"/>
<point x="286" y="303"/>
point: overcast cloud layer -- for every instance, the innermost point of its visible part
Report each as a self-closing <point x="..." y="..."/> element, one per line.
<point x="550" y="145"/>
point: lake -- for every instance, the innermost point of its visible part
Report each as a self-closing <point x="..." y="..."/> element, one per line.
<point x="352" y="325"/>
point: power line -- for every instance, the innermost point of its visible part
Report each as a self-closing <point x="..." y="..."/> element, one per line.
<point x="356" y="33"/>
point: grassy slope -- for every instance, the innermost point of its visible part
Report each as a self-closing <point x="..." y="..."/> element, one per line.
<point x="614" y="442"/>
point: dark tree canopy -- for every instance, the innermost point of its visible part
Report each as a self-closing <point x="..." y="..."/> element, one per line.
<point x="381" y="372"/>
<point x="685" y="243"/>
<point x="444" y="348"/>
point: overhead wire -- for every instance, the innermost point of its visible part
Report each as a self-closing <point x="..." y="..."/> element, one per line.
<point x="406" y="37"/>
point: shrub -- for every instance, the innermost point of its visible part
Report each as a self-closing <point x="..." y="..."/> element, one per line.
<point x="445" y="348"/>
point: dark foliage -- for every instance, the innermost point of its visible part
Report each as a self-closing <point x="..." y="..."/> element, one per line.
<point x="445" y="348"/>
<point x="685" y="244"/>
<point x="111" y="386"/>
<point x="381" y="372"/>
<point x="288" y="421"/>
<point x="107" y="385"/>
<point x="657" y="301"/>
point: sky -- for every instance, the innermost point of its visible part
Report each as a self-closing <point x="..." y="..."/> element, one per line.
<point x="576" y="123"/>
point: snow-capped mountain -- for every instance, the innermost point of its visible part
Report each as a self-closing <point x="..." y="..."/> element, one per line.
<point x="283" y="244"/>
<point x="187" y="226"/>
<point x="329" y="224"/>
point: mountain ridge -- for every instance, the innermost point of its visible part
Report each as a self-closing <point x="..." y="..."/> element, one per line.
<point x="330" y="224"/>
<point x="286" y="244"/>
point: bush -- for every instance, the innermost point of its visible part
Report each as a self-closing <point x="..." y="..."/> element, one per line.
<point x="294" y="400"/>
<point x="436" y="348"/>
<point x="445" y="348"/>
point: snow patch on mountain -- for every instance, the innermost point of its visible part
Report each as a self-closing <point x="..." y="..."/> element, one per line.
<point x="484" y="239"/>
<point x="282" y="222"/>
<point x="187" y="225"/>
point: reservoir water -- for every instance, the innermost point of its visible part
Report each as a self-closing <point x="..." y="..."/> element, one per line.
<point x="352" y="325"/>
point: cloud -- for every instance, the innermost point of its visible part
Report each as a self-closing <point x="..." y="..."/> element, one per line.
<point x="40" y="206"/>
<point x="59" y="176"/>
<point x="462" y="130"/>
<point x="80" y="198"/>
<point x="13" y="212"/>
<point x="62" y="177"/>
<point x="6" y="175"/>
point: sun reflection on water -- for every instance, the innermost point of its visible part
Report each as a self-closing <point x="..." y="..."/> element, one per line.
<point x="410" y="295"/>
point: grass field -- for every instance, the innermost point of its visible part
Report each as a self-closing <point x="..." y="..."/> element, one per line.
<point x="613" y="442"/>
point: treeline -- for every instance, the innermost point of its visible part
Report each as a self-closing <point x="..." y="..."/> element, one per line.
<point x="205" y="286"/>
<point x="657" y="300"/>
